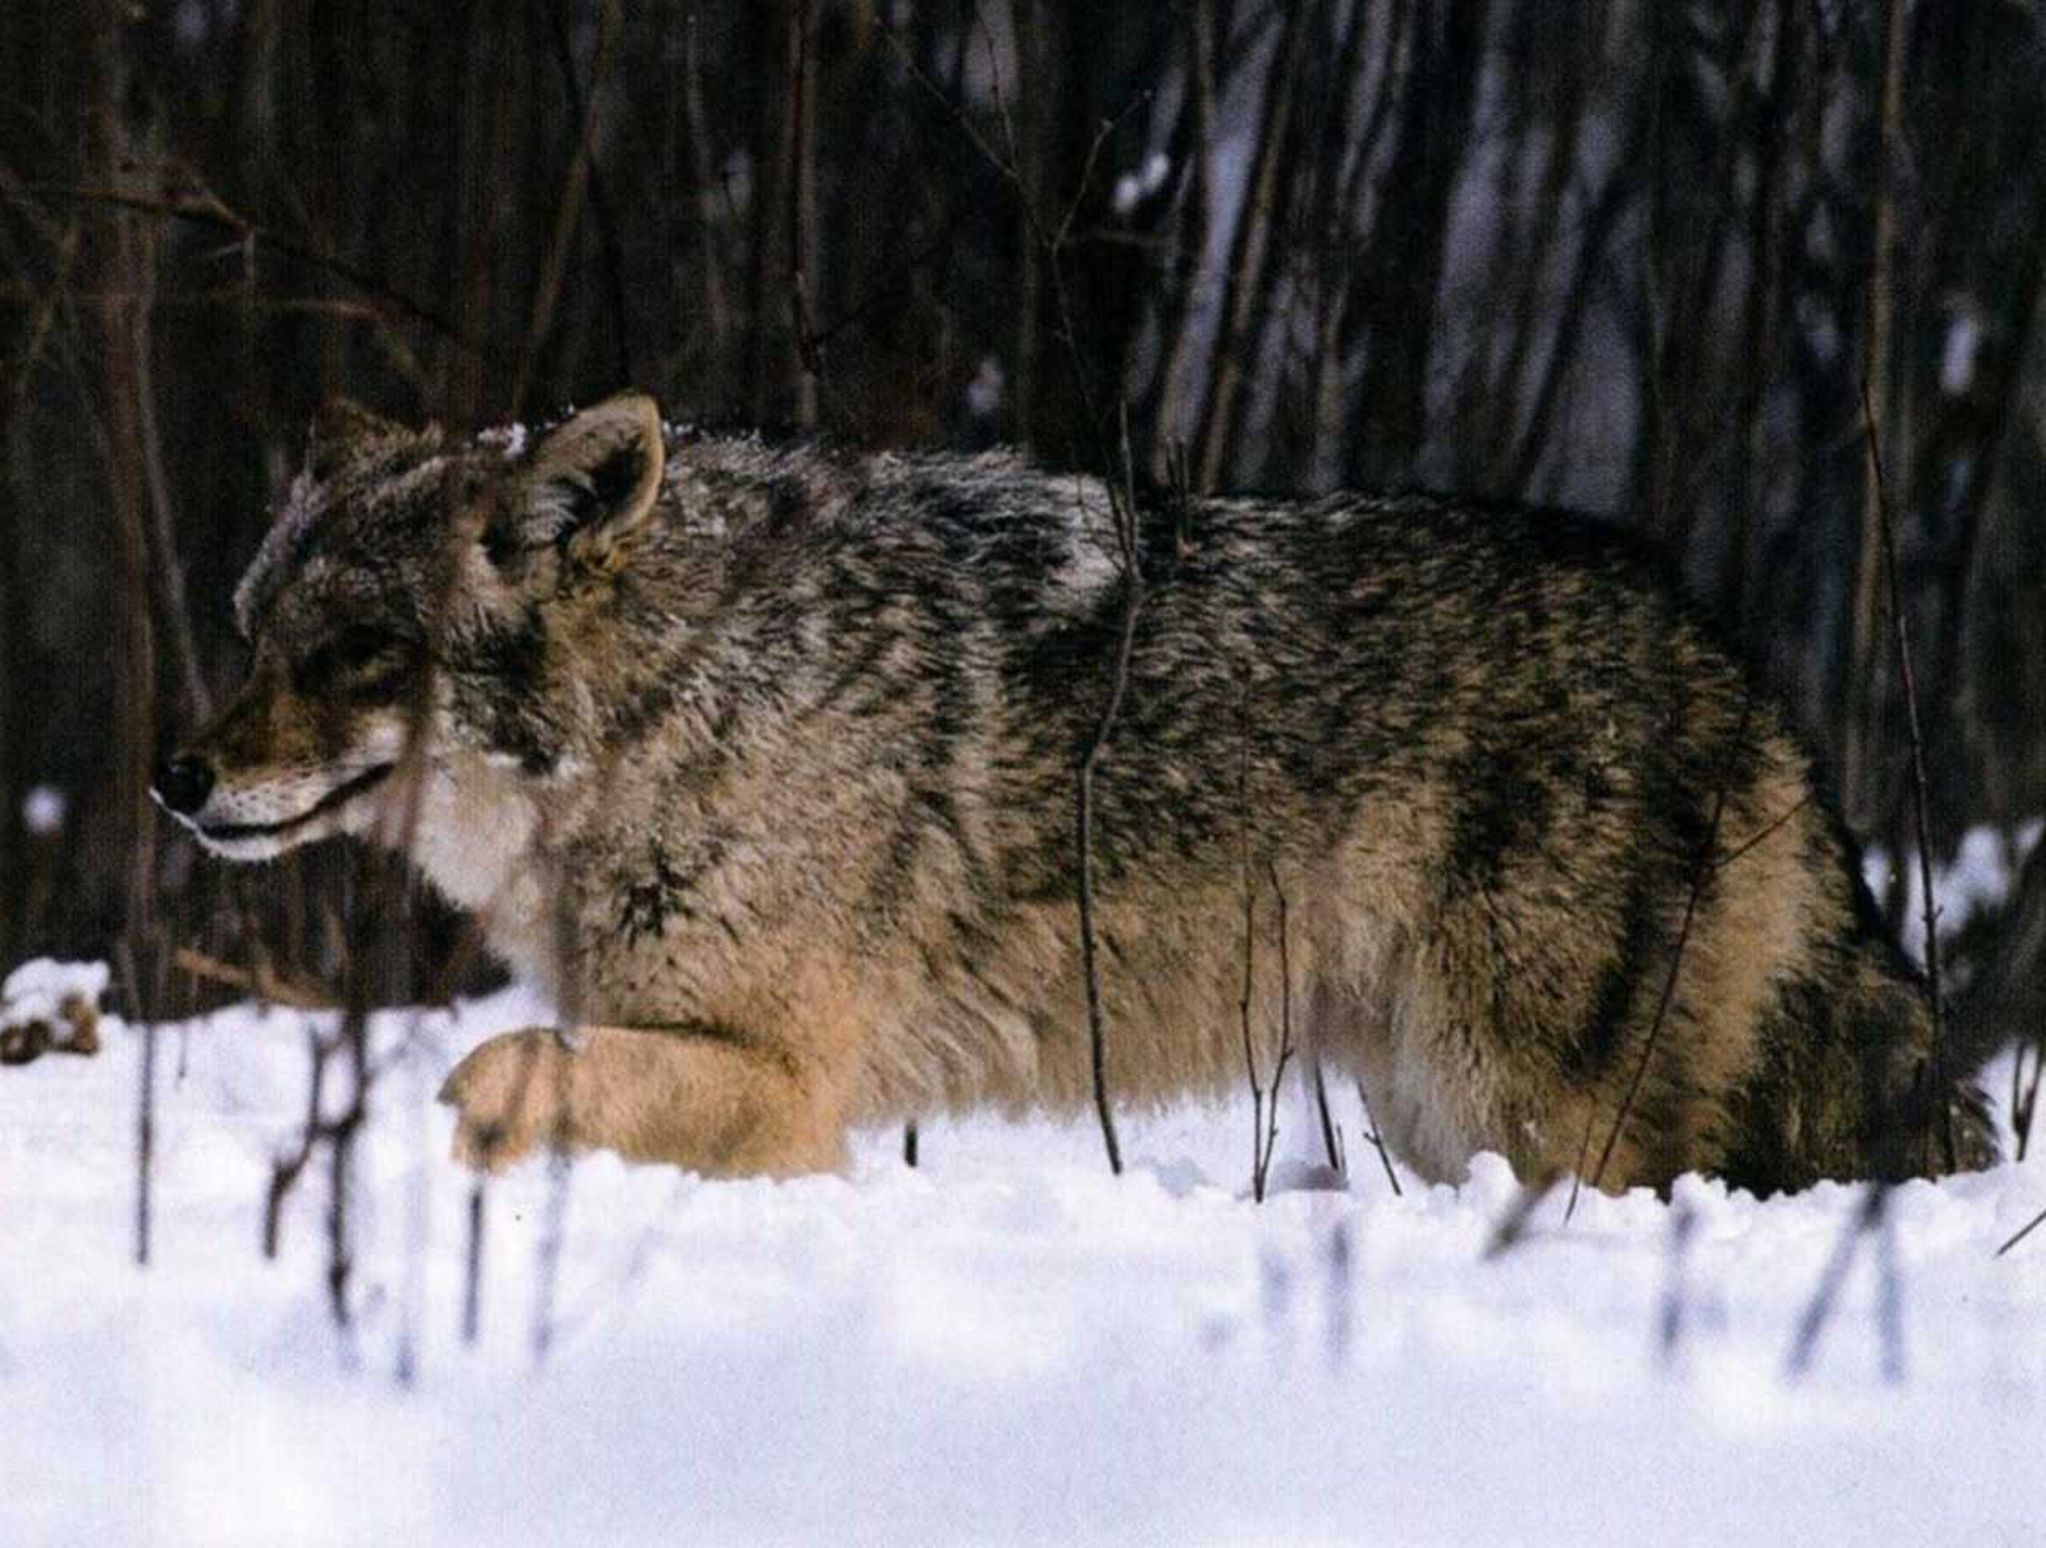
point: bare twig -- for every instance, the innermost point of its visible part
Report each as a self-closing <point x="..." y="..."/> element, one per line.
<point x="1122" y="502"/>
<point x="1701" y="871"/>
<point x="582" y="110"/>
<point x="802" y="196"/>
<point x="1244" y="280"/>
<point x="211" y="211"/>
<point x="568" y="208"/>
<point x="2028" y="1228"/>
<point x="267" y="986"/>
<point x="1771" y="826"/>
<point x="45" y="302"/>
<point x="341" y="1133"/>
<point x="896" y="290"/>
<point x="1119" y="483"/>
<point x="1046" y="237"/>
<point x="1271" y="1139"/>
<point x="1124" y="513"/>
<point x="368" y="976"/>
<point x="1006" y="166"/>
<point x="1264" y="1101"/>
<point x="1920" y="799"/>
<point x="145" y="1110"/>
<point x="1592" y="266"/>
<point x="397" y="821"/>
<point x="1062" y="236"/>
<point x="286" y="1170"/>
<point x="1875" y="395"/>
<point x="1243" y="1003"/>
<point x="1371" y="1133"/>
<point x="1909" y="1124"/>
<point x="716" y="315"/>
<point x="1190" y="264"/>
<point x="169" y="568"/>
<point x="1331" y="1131"/>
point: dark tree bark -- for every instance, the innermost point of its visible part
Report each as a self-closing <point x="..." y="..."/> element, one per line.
<point x="1392" y="302"/>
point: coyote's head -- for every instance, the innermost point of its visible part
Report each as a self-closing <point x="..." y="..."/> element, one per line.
<point x="413" y="599"/>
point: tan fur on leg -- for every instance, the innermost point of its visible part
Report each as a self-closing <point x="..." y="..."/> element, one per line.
<point x="693" y="1099"/>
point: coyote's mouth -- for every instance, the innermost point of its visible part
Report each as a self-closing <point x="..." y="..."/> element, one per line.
<point x="340" y="795"/>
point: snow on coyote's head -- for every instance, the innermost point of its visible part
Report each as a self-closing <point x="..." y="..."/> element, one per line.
<point x="414" y="594"/>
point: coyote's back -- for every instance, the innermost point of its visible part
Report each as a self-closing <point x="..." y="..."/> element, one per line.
<point x="765" y="761"/>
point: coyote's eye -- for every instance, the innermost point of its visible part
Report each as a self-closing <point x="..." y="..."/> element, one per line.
<point x="360" y="657"/>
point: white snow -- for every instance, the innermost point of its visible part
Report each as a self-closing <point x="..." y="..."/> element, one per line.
<point x="1006" y="1345"/>
<point x="510" y="439"/>
<point x="1982" y="872"/>
<point x="43" y="810"/>
<point x="36" y="991"/>
<point x="1963" y="342"/>
<point x="1133" y="188"/>
<point x="984" y="392"/>
<point x="190" y="23"/>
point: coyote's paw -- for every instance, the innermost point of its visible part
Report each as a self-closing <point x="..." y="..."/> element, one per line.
<point x="512" y="1097"/>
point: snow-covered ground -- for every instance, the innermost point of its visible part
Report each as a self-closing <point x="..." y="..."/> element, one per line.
<point x="1004" y="1345"/>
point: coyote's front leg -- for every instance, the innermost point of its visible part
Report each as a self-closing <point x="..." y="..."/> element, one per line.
<point x="695" y="1097"/>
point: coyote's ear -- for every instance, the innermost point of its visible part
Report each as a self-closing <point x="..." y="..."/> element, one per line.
<point x="593" y="478"/>
<point x="343" y="428"/>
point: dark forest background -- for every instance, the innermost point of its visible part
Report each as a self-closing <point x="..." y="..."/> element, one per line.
<point x="1640" y="256"/>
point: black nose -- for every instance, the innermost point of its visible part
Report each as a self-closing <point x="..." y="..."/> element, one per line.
<point x="183" y="784"/>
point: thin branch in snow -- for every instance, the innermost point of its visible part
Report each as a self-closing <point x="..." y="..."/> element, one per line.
<point x="1920" y="800"/>
<point x="2026" y="1230"/>
<point x="1271" y="1141"/>
<point x="1701" y="872"/>
<point x="1123" y="511"/>
<point x="1331" y="1131"/>
<point x="1371" y="1133"/>
<point x="145" y="1114"/>
<point x="1243" y="1003"/>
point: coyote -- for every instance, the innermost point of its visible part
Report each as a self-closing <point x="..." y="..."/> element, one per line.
<point x="763" y="761"/>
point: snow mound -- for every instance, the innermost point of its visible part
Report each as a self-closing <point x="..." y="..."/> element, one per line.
<point x="1005" y="1344"/>
<point x="37" y="990"/>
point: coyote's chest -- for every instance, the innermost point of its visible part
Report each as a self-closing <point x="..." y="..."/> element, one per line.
<point x="477" y="841"/>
